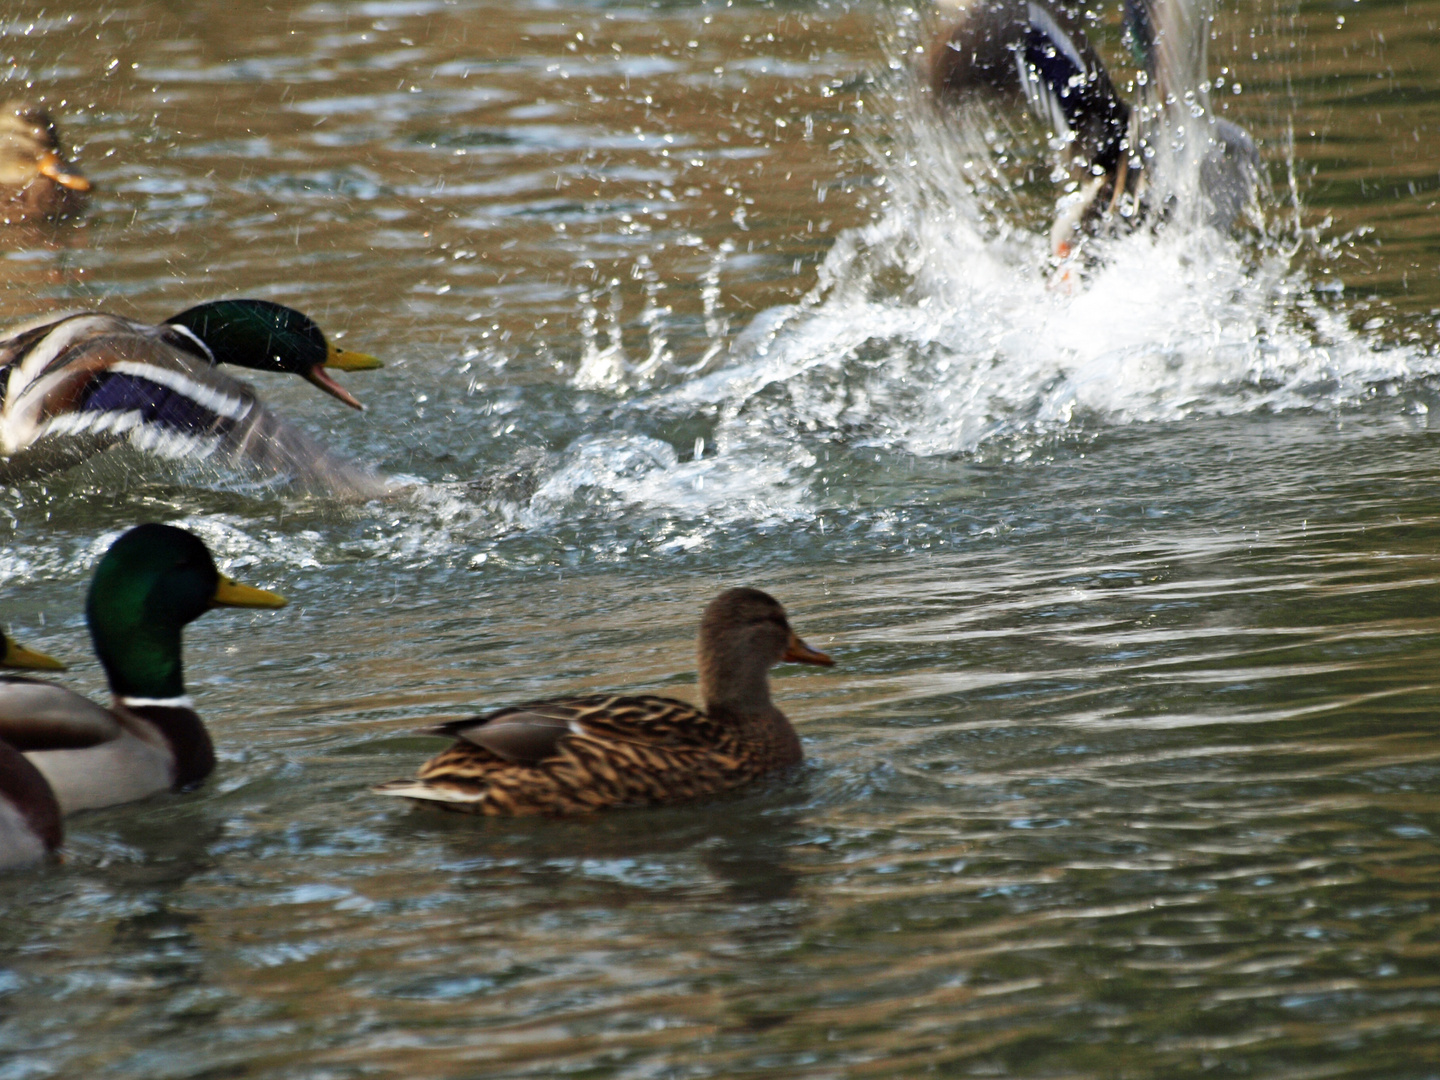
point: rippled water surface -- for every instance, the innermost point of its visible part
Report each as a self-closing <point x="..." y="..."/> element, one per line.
<point x="1129" y="765"/>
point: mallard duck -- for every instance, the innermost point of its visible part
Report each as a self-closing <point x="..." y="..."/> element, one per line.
<point x="79" y="383"/>
<point x="35" y="179"/>
<point x="574" y="755"/>
<point x="152" y="582"/>
<point x="1040" y="51"/>
<point x="30" y="826"/>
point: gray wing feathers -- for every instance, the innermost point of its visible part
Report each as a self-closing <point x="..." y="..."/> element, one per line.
<point x="43" y="716"/>
<point x="274" y="447"/>
<point x="1230" y="173"/>
<point x="519" y="736"/>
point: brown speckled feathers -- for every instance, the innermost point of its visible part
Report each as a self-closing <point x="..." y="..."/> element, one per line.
<point x="612" y="751"/>
<point x="575" y="755"/>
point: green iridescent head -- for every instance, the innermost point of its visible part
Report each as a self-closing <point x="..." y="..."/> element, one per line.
<point x="265" y="336"/>
<point x="152" y="582"/>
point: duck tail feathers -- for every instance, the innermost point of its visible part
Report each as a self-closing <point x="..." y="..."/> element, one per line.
<point x="420" y="790"/>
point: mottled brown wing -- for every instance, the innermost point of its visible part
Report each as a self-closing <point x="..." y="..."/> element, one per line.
<point x="648" y="718"/>
<point x="468" y="765"/>
<point x="594" y="752"/>
<point x="533" y="731"/>
<point x="561" y="710"/>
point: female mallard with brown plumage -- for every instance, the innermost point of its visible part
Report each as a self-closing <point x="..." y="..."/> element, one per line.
<point x="36" y="181"/>
<point x="575" y="755"/>
<point x="74" y="385"/>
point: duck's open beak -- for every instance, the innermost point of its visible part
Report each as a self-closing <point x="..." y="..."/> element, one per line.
<point x="230" y="593"/>
<point x="51" y="166"/>
<point x="18" y="656"/>
<point x="341" y="360"/>
<point x="797" y="652"/>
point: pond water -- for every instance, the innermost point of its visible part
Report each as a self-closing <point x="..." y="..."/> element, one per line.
<point x="1128" y="765"/>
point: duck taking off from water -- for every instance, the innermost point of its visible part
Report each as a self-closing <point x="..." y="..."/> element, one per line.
<point x="153" y="581"/>
<point x="1038" y="51"/>
<point x="77" y="384"/>
<point x="575" y="755"/>
<point x="30" y="817"/>
<point x="36" y="180"/>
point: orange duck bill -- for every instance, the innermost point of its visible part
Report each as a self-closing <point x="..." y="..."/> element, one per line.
<point x="797" y="652"/>
<point x="51" y="166"/>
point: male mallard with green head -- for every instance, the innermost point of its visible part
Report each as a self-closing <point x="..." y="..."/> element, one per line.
<point x="77" y="384"/>
<point x="30" y="825"/>
<point x="154" y="580"/>
<point x="35" y="179"/>
<point x="575" y="755"/>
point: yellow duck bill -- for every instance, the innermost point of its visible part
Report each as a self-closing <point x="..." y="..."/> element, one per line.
<point x="231" y="593"/>
<point x="341" y="360"/>
<point x="18" y="656"/>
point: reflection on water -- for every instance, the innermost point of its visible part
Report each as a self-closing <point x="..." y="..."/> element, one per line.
<point x="1127" y="764"/>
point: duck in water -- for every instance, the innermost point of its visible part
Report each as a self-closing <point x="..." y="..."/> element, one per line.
<point x="154" y="580"/>
<point x="1039" y="51"/>
<point x="36" y="180"/>
<point x="74" y="385"/>
<point x="30" y="815"/>
<point x="575" y="755"/>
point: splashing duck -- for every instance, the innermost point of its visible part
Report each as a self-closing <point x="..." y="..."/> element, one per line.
<point x="1039" y="51"/>
<point x="152" y="582"/>
<point x="36" y="180"/>
<point x="576" y="755"/>
<point x="77" y="384"/>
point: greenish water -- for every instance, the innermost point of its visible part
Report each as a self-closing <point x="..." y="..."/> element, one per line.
<point x="1128" y="765"/>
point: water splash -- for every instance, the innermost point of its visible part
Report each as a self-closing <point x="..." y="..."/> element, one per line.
<point x="938" y="328"/>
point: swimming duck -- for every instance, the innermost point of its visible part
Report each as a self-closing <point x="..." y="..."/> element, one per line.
<point x="35" y="179"/>
<point x="152" y="582"/>
<point x="1040" y="51"/>
<point x="574" y="755"/>
<point x="30" y="826"/>
<point x="79" y="383"/>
